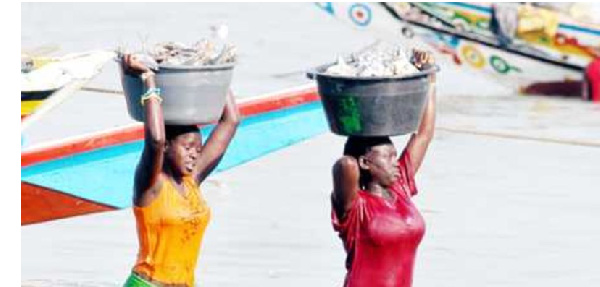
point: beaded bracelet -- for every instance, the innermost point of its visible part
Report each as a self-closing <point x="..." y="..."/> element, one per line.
<point x="151" y="93"/>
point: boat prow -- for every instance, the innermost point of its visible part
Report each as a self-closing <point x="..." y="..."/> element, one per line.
<point x="49" y="75"/>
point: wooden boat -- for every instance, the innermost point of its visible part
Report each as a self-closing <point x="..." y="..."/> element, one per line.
<point x="32" y="97"/>
<point x="462" y="33"/>
<point x="44" y="77"/>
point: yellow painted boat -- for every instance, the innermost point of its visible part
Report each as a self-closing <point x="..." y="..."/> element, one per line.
<point x="32" y="98"/>
<point x="43" y="77"/>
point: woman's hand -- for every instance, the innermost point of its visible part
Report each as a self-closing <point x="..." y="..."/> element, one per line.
<point x="422" y="59"/>
<point x="133" y="66"/>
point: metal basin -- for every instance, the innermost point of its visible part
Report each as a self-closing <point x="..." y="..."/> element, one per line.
<point x="191" y="95"/>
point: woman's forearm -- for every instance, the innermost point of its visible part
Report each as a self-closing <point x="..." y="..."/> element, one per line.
<point x="419" y="142"/>
<point x="154" y="123"/>
<point x="427" y="125"/>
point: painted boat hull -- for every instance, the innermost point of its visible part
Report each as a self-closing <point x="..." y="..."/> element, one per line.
<point x="50" y="75"/>
<point x="517" y="66"/>
<point x="92" y="173"/>
<point x="30" y="101"/>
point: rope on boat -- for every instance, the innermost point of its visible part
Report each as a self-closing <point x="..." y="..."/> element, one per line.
<point x="521" y="137"/>
<point x="102" y="90"/>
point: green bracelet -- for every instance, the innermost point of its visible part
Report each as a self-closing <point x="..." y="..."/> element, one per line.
<point x="151" y="93"/>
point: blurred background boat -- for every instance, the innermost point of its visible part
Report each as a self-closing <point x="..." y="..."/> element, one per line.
<point x="518" y="45"/>
<point x="47" y="81"/>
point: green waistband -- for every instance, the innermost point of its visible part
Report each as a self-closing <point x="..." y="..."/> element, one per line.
<point x="136" y="281"/>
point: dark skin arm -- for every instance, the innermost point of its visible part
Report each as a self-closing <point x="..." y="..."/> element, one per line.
<point x="419" y="141"/>
<point x="346" y="176"/>
<point x="147" y="174"/>
<point x="219" y="140"/>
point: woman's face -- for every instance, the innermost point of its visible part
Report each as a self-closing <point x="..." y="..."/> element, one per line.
<point x="382" y="162"/>
<point x="183" y="152"/>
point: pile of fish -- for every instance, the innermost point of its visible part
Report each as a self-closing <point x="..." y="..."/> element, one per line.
<point x="382" y="60"/>
<point x="206" y="52"/>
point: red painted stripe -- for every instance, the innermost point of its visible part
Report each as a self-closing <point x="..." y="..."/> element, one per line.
<point x="39" y="204"/>
<point x="128" y="134"/>
<point x="82" y="145"/>
<point x="277" y="102"/>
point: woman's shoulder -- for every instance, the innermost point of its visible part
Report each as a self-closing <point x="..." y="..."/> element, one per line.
<point x="346" y="161"/>
<point x="346" y="165"/>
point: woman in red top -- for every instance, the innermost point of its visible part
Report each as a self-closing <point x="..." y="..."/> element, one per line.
<point x="371" y="202"/>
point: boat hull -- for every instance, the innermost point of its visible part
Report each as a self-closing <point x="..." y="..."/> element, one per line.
<point x="518" y="66"/>
<point x="30" y="101"/>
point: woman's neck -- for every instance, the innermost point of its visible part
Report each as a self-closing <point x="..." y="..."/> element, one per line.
<point x="172" y="174"/>
<point x="377" y="189"/>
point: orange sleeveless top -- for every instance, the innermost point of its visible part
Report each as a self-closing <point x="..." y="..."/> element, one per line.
<point x="170" y="232"/>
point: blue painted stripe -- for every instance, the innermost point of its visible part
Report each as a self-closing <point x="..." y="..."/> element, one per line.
<point x="106" y="175"/>
<point x="580" y="29"/>
<point x="487" y="10"/>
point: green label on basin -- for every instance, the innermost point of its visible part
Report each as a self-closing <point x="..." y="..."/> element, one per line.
<point x="349" y="114"/>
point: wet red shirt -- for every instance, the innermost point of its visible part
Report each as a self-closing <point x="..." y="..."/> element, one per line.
<point x="381" y="236"/>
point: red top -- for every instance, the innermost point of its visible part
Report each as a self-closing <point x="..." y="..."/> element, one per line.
<point x="381" y="236"/>
<point x="593" y="73"/>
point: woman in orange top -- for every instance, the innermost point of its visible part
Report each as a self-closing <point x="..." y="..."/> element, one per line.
<point x="170" y="213"/>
